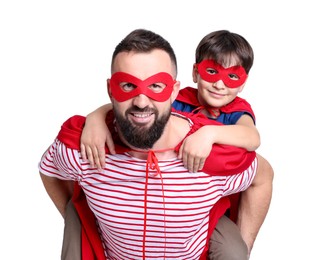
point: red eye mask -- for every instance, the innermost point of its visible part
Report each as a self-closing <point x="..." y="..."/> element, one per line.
<point x="220" y="73"/>
<point x="119" y="79"/>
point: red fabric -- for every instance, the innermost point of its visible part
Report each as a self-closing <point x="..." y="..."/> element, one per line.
<point x="91" y="244"/>
<point x="224" y="160"/>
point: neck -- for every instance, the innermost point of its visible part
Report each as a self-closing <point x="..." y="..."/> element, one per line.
<point x="175" y="131"/>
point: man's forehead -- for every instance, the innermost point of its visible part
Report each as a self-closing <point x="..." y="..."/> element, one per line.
<point x="143" y="64"/>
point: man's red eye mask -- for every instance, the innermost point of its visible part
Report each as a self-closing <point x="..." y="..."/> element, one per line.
<point x="142" y="86"/>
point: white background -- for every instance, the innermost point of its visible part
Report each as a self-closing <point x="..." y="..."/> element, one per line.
<point x="54" y="62"/>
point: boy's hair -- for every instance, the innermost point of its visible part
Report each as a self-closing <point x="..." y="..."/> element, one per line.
<point x="222" y="46"/>
<point x="142" y="41"/>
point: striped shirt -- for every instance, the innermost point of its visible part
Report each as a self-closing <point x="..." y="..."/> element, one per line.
<point x="141" y="213"/>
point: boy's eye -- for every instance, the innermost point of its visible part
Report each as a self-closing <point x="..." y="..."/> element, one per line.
<point x="157" y="87"/>
<point x="127" y="87"/>
<point x="233" y="76"/>
<point x="211" y="71"/>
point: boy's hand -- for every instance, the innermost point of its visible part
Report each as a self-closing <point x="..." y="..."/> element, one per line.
<point x="93" y="140"/>
<point x="195" y="150"/>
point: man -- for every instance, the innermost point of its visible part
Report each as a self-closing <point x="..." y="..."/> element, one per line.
<point x="145" y="203"/>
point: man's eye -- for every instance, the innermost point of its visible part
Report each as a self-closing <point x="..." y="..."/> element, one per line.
<point x="157" y="87"/>
<point x="211" y="71"/>
<point x="233" y="77"/>
<point x="127" y="87"/>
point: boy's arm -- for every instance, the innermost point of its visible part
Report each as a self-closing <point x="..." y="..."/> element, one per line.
<point x="243" y="134"/>
<point x="198" y="146"/>
<point x="95" y="135"/>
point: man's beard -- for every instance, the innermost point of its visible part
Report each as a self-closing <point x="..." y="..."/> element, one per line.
<point x="142" y="137"/>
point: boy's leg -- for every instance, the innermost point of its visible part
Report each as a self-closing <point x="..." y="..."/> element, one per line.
<point x="226" y="242"/>
<point x="71" y="249"/>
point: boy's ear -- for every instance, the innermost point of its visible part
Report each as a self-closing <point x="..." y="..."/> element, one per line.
<point x="194" y="73"/>
<point x="242" y="87"/>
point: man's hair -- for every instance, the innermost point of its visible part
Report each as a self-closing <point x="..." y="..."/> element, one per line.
<point x="142" y="41"/>
<point x="223" y="46"/>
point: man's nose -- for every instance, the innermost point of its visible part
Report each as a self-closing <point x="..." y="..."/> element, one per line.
<point x="141" y="101"/>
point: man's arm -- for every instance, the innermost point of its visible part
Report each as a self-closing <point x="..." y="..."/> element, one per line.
<point x="60" y="191"/>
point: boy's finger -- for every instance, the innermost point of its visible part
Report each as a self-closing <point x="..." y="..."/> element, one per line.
<point x="196" y="165"/>
<point x="90" y="156"/>
<point x="190" y="164"/>
<point x="201" y="164"/>
<point x="83" y="152"/>
<point x="96" y="158"/>
<point x="101" y="156"/>
<point x="185" y="160"/>
<point x="180" y="154"/>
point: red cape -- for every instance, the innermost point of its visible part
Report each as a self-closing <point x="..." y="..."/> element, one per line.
<point x="223" y="160"/>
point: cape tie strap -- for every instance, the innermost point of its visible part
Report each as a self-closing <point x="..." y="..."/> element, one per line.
<point x="214" y="112"/>
<point x="152" y="164"/>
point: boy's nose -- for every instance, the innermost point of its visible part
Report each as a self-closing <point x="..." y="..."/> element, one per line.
<point x="219" y="84"/>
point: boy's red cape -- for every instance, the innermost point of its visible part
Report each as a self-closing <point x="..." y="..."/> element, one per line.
<point x="223" y="160"/>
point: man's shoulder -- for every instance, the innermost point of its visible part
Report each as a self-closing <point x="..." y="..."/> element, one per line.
<point x="70" y="131"/>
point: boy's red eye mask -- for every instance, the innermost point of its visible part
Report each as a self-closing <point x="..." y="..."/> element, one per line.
<point x="206" y="67"/>
<point x="119" y="79"/>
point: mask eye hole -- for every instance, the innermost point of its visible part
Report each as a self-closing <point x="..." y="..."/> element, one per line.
<point x="211" y="71"/>
<point x="233" y="76"/>
<point x="127" y="87"/>
<point x="157" y="87"/>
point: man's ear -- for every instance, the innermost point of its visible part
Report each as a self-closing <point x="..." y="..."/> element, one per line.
<point x="109" y="89"/>
<point x="175" y="91"/>
<point x="194" y="73"/>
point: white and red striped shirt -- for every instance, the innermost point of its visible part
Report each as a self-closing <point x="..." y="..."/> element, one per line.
<point x="161" y="216"/>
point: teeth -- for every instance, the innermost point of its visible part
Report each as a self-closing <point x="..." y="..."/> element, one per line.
<point x="141" y="115"/>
